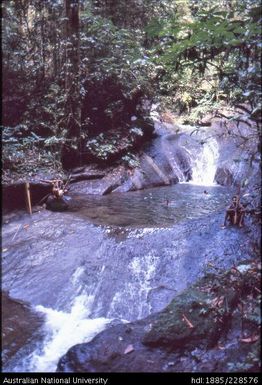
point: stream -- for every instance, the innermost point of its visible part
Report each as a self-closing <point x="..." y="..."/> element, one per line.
<point x="66" y="276"/>
<point x="115" y="258"/>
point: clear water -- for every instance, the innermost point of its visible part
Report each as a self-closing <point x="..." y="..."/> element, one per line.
<point x="82" y="282"/>
<point x="156" y="207"/>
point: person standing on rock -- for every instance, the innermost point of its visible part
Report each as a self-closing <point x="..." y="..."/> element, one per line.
<point x="235" y="213"/>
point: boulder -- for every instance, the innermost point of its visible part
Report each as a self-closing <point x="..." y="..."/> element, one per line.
<point x="56" y="204"/>
<point x="223" y="176"/>
<point x="101" y="185"/>
<point x="189" y="321"/>
<point x="185" y="336"/>
<point x="20" y="326"/>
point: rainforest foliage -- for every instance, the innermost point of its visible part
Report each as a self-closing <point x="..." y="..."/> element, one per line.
<point x="81" y="75"/>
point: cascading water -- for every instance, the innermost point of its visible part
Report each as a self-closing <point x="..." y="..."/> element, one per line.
<point x="135" y="292"/>
<point x="62" y="331"/>
<point x="184" y="157"/>
<point x="99" y="274"/>
<point x="205" y="164"/>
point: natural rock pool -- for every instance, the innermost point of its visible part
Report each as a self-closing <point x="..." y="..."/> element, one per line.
<point x="151" y="208"/>
<point x="115" y="257"/>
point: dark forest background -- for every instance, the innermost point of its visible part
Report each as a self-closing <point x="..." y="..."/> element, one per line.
<point x="76" y="72"/>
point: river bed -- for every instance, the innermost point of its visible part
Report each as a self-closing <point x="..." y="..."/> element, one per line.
<point x="114" y="258"/>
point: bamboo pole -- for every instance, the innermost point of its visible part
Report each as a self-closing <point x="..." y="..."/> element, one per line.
<point x="28" y="198"/>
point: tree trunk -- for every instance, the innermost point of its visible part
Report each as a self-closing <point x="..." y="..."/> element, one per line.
<point x="43" y="40"/>
<point x="72" y="84"/>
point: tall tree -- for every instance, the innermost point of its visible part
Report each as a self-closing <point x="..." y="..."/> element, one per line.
<point x="72" y="67"/>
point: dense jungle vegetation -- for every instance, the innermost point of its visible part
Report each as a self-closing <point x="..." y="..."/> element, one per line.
<point x="75" y="72"/>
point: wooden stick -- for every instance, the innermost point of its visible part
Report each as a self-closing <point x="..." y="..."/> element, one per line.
<point x="46" y="181"/>
<point x="43" y="199"/>
<point x="19" y="227"/>
<point x="189" y="324"/>
<point x="28" y="198"/>
<point x="68" y="180"/>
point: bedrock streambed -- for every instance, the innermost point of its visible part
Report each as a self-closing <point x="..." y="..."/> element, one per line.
<point x="118" y="257"/>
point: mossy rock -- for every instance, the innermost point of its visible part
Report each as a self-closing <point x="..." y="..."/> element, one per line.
<point x="191" y="320"/>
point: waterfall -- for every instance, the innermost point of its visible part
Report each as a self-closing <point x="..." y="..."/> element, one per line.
<point x="205" y="164"/>
<point x="101" y="275"/>
<point x="64" y="330"/>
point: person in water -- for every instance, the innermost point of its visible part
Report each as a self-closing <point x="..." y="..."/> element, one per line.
<point x="235" y="213"/>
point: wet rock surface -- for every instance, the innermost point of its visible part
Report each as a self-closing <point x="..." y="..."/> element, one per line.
<point x="133" y="253"/>
<point x="99" y="184"/>
<point x="53" y="245"/>
<point x="129" y="272"/>
<point x="21" y="326"/>
<point x="170" y="157"/>
<point x="56" y="204"/>
<point x="201" y="330"/>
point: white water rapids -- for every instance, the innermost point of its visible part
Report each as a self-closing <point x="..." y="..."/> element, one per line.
<point x="66" y="329"/>
<point x="140" y="292"/>
<point x="63" y="330"/>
